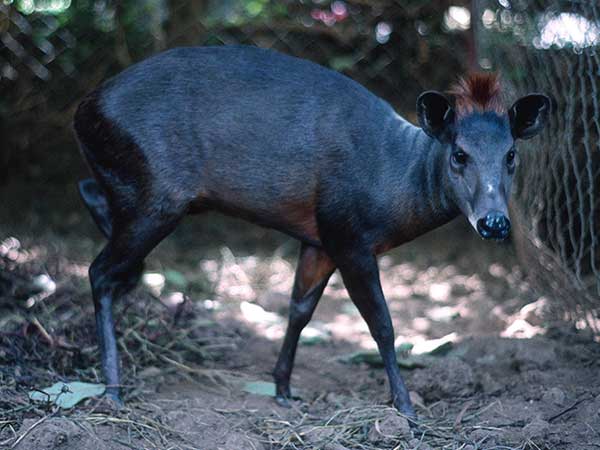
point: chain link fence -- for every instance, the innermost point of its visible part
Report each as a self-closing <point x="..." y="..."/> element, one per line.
<point x="552" y="47"/>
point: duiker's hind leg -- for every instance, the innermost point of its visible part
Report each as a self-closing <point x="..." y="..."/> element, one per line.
<point x="115" y="272"/>
<point x="312" y="274"/>
<point x="97" y="204"/>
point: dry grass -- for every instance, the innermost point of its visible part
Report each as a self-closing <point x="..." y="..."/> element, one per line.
<point x="49" y="335"/>
<point x="363" y="427"/>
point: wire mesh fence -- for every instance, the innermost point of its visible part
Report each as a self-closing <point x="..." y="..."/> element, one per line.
<point x="552" y="47"/>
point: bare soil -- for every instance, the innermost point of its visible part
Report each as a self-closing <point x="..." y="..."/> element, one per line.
<point x="510" y="378"/>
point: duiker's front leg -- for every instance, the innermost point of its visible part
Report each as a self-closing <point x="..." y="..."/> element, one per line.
<point x="360" y="273"/>
<point x="312" y="274"/>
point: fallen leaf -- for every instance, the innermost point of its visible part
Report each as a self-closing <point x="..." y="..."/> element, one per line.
<point x="373" y="358"/>
<point x="265" y="388"/>
<point x="67" y="395"/>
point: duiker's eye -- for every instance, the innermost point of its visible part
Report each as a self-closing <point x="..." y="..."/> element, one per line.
<point x="510" y="157"/>
<point x="459" y="158"/>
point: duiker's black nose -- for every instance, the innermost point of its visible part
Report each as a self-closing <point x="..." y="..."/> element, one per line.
<point x="494" y="226"/>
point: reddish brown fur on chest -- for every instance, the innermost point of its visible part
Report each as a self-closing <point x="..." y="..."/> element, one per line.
<point x="313" y="266"/>
<point x="301" y="218"/>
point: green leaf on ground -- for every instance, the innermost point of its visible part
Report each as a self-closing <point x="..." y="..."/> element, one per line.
<point x="265" y="388"/>
<point x="412" y="362"/>
<point x="373" y="358"/>
<point x="442" y="349"/>
<point x="436" y="347"/>
<point x="67" y="395"/>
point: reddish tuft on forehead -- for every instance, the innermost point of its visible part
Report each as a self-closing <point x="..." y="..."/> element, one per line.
<point x="479" y="91"/>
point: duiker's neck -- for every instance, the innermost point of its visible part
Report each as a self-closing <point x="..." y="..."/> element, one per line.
<point x="433" y="166"/>
<point x="424" y="199"/>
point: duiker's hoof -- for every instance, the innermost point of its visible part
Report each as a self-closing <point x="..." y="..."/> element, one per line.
<point x="413" y="423"/>
<point x="115" y="399"/>
<point x="112" y="394"/>
<point x="282" y="401"/>
<point x="409" y="413"/>
<point x="109" y="403"/>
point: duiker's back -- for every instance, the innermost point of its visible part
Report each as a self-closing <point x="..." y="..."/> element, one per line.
<point x="265" y="97"/>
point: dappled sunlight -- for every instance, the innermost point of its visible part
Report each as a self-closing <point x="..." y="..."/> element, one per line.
<point x="520" y="328"/>
<point x="429" y="299"/>
<point x="11" y="249"/>
<point x="255" y="314"/>
<point x="32" y="288"/>
<point x="267" y="324"/>
<point x="174" y="299"/>
<point x="440" y="292"/>
<point x="351" y="328"/>
<point x="77" y="270"/>
<point x="567" y="29"/>
<point x="430" y="295"/>
<point x="154" y="281"/>
<point x="239" y="277"/>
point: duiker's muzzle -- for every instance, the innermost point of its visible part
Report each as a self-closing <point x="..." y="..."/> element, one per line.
<point x="494" y="225"/>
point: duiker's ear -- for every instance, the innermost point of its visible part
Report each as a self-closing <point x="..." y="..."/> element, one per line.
<point x="528" y="115"/>
<point x="436" y="115"/>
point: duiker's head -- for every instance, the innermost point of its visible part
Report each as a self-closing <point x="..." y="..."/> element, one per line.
<point x="481" y="155"/>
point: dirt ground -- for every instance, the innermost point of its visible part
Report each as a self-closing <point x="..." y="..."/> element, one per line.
<point x="209" y="318"/>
